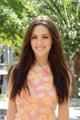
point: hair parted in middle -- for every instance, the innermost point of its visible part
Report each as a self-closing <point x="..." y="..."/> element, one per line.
<point x="56" y="60"/>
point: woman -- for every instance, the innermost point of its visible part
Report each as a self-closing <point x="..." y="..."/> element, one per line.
<point x="40" y="80"/>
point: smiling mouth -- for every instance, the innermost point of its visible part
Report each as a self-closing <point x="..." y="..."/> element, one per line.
<point x="40" y="48"/>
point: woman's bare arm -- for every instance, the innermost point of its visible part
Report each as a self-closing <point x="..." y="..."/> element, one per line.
<point x="63" y="112"/>
<point x="12" y="103"/>
<point x="11" y="110"/>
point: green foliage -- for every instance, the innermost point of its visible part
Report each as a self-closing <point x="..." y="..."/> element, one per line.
<point x="15" y="16"/>
<point x="66" y="14"/>
<point x="3" y="96"/>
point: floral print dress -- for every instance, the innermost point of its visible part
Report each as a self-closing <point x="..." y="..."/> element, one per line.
<point x="42" y="102"/>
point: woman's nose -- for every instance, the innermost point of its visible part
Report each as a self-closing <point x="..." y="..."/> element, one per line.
<point x="39" y="41"/>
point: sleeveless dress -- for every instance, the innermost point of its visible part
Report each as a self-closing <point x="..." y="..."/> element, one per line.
<point x="42" y="102"/>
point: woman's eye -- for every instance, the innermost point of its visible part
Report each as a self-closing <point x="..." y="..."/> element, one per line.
<point x="45" y="37"/>
<point x="33" y="37"/>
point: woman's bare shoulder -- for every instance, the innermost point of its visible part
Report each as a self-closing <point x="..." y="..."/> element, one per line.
<point x="10" y="78"/>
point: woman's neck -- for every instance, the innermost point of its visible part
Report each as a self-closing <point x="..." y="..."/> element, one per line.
<point x="41" y="61"/>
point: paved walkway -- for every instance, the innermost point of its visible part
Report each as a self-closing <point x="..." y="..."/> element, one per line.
<point x="74" y="109"/>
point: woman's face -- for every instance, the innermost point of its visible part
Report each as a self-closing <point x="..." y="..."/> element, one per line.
<point x="41" y="41"/>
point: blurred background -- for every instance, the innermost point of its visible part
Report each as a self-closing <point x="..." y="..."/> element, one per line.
<point x="15" y="16"/>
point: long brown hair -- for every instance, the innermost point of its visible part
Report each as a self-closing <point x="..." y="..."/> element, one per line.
<point x="56" y="60"/>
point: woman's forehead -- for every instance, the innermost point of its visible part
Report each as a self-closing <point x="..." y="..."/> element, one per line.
<point x="40" y="28"/>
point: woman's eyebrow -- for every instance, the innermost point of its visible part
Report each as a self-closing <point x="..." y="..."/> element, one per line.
<point x="42" y="34"/>
<point x="45" y="34"/>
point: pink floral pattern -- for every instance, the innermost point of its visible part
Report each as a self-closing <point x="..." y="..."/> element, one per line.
<point x="42" y="103"/>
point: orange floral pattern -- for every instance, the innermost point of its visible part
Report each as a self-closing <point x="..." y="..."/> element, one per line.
<point x="41" y="104"/>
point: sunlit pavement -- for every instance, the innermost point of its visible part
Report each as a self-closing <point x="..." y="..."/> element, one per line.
<point x="74" y="113"/>
<point x="74" y="109"/>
